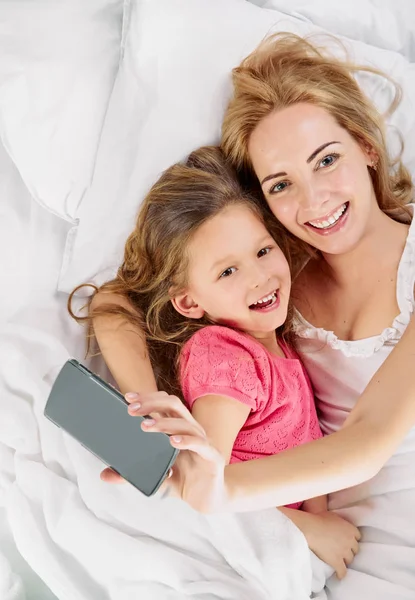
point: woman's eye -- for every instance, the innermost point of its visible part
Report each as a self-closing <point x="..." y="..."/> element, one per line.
<point x="328" y="160"/>
<point x="264" y="251"/>
<point x="227" y="272"/>
<point x="279" y="187"/>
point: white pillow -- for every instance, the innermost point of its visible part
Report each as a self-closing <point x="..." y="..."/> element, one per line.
<point x="58" y="62"/>
<point x="169" y="97"/>
<point x="388" y="24"/>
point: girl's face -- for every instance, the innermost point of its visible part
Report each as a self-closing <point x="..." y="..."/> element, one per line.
<point x="237" y="274"/>
<point x="315" y="178"/>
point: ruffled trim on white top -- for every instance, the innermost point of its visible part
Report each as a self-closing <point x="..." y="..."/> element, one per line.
<point x="390" y="335"/>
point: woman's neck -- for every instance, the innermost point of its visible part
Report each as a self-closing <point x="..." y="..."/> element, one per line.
<point x="382" y="245"/>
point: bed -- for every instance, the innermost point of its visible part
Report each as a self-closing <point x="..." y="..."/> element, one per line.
<point x="96" y="100"/>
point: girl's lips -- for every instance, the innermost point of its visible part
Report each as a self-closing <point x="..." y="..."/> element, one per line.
<point x="333" y="228"/>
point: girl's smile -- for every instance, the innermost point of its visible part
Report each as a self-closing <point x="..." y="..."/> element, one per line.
<point x="266" y="303"/>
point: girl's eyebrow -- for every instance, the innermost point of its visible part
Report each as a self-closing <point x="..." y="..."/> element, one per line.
<point x="222" y="261"/>
<point x="309" y="159"/>
<point x="231" y="258"/>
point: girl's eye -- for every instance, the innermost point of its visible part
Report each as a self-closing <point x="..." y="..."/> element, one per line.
<point x="328" y="160"/>
<point x="227" y="272"/>
<point x="279" y="187"/>
<point x="264" y="251"/>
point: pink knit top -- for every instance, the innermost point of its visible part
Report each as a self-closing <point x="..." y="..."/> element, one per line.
<point x="218" y="360"/>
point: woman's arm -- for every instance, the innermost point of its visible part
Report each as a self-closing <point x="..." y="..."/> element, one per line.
<point x="381" y="418"/>
<point x="123" y="346"/>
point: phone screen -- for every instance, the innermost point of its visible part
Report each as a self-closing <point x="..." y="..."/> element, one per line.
<point x="95" y="414"/>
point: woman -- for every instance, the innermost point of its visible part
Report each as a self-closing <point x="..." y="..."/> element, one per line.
<point x="302" y="133"/>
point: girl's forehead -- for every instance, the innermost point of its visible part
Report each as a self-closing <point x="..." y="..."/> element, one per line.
<point x="231" y="231"/>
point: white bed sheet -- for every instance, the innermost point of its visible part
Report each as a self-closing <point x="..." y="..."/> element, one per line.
<point x="31" y="246"/>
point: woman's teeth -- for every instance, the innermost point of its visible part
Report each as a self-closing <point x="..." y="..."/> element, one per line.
<point x="330" y="221"/>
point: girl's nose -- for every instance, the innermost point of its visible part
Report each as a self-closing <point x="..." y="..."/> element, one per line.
<point x="259" y="277"/>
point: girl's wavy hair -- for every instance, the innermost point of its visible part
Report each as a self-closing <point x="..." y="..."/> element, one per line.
<point x="155" y="257"/>
<point x="286" y="69"/>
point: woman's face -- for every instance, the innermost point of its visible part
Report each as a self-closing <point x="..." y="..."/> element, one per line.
<point x="315" y="177"/>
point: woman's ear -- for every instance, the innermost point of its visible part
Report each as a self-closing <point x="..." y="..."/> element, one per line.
<point x="371" y="156"/>
<point x="186" y="306"/>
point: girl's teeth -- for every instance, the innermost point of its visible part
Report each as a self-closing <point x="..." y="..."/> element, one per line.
<point x="331" y="220"/>
<point x="266" y="299"/>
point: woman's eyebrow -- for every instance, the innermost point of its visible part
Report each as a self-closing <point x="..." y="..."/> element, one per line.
<point x="309" y="159"/>
<point x="273" y="176"/>
<point x="319" y="149"/>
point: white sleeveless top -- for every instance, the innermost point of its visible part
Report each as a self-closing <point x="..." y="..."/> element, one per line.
<point x="384" y="507"/>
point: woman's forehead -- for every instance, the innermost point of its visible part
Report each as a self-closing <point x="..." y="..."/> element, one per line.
<point x="294" y="133"/>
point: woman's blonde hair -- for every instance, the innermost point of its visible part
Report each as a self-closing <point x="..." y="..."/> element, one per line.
<point x="155" y="258"/>
<point x="285" y="70"/>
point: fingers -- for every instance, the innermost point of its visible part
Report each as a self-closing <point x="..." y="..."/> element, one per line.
<point x="348" y="558"/>
<point x="184" y="436"/>
<point x="165" y="410"/>
<point x="341" y="570"/>
<point x="172" y="426"/>
<point x="110" y="476"/>
<point x="355" y="547"/>
<point x="132" y="397"/>
<point x="199" y="445"/>
<point x="160" y="403"/>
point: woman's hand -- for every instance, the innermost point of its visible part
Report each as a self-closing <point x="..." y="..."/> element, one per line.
<point x="198" y="474"/>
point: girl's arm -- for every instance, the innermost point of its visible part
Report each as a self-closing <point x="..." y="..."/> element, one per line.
<point x="380" y="420"/>
<point x="124" y="350"/>
<point x="123" y="347"/>
<point x="222" y="418"/>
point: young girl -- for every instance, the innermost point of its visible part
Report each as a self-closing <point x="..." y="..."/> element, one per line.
<point x="213" y="289"/>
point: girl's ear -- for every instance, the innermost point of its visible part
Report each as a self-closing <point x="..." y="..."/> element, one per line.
<point x="186" y="306"/>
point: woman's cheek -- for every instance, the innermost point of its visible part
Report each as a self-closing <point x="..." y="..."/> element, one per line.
<point x="284" y="211"/>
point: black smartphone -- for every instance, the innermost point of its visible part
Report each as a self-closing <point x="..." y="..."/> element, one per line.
<point x="95" y="414"/>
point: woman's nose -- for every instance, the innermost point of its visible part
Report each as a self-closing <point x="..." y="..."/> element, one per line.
<point x="314" y="197"/>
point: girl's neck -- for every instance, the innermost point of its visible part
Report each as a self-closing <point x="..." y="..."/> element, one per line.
<point x="377" y="249"/>
<point x="269" y="341"/>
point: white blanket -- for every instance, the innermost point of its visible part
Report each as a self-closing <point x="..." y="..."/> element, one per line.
<point x="87" y="539"/>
